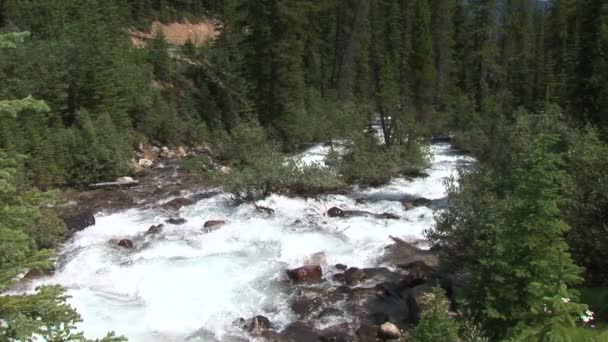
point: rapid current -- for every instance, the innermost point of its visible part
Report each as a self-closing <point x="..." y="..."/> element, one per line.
<point x="173" y="286"/>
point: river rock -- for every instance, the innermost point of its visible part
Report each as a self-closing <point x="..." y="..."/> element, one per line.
<point x="335" y="212"/>
<point x="341" y="267"/>
<point x="368" y="333"/>
<point x="176" y="221"/>
<point x="306" y="273"/>
<point x="37" y="273"/>
<point x="421" y="202"/>
<point x="389" y="216"/>
<point x="224" y="170"/>
<point x="214" y="224"/>
<point x="354" y="275"/>
<point x="156" y="229"/>
<point x="145" y="162"/>
<point x="78" y="222"/>
<point x="125" y="180"/>
<point x="264" y="210"/>
<point x="389" y="331"/>
<point x="178" y="203"/>
<point x="155" y="151"/>
<point x="125" y="243"/>
<point x="300" y="331"/>
<point x="258" y="324"/>
<point x="181" y="152"/>
<point x="336" y="333"/>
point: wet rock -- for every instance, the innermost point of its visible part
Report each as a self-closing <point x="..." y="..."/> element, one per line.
<point x="419" y="272"/>
<point x="338" y="333"/>
<point x="367" y="333"/>
<point x="354" y="275"/>
<point x="335" y="212"/>
<point x="300" y="331"/>
<point x="303" y="306"/>
<point x="331" y="312"/>
<point x="405" y="255"/>
<point x="341" y="267"/>
<point x="389" y="331"/>
<point x="125" y="243"/>
<point x="204" y="195"/>
<point x="308" y="273"/>
<point x="264" y="210"/>
<point x="78" y="222"/>
<point x="421" y="202"/>
<point x="155" y="229"/>
<point x="258" y="324"/>
<point x="178" y="203"/>
<point x="317" y="259"/>
<point x="389" y="216"/>
<point x="212" y="225"/>
<point x="176" y="221"/>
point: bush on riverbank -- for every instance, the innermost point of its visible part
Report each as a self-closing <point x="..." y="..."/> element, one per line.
<point x="260" y="169"/>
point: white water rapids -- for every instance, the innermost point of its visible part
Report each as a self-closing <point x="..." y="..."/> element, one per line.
<point x="170" y="287"/>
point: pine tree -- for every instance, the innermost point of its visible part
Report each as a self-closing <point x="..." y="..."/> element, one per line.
<point x="422" y="60"/>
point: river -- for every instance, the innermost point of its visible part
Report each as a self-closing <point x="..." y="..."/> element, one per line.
<point x="175" y="285"/>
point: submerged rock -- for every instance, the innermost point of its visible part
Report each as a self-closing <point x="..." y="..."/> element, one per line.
<point x="258" y="325"/>
<point x="264" y="210"/>
<point x="306" y="273"/>
<point x="178" y="203"/>
<point x="155" y="229"/>
<point x="354" y="275"/>
<point x="125" y="243"/>
<point x="335" y="212"/>
<point x="212" y="225"/>
<point x="176" y="221"/>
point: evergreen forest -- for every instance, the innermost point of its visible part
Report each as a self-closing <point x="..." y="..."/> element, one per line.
<point x="520" y="85"/>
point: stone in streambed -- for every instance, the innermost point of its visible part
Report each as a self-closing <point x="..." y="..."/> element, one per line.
<point x="176" y="221"/>
<point x="125" y="243"/>
<point x="78" y="222"/>
<point x="335" y="212"/>
<point x="389" y="331"/>
<point x="178" y="203"/>
<point x="156" y="229"/>
<point x="213" y="225"/>
<point x="306" y="273"/>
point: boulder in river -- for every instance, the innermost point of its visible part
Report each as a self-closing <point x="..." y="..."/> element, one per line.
<point x="176" y="221"/>
<point x="308" y="273"/>
<point x="389" y="216"/>
<point x="335" y="212"/>
<point x="145" y="163"/>
<point x="389" y="331"/>
<point x="212" y="225"/>
<point x="78" y="222"/>
<point x="341" y="267"/>
<point x="354" y="275"/>
<point x="258" y="325"/>
<point x="155" y="229"/>
<point x="264" y="210"/>
<point x="178" y="203"/>
<point x="125" y="243"/>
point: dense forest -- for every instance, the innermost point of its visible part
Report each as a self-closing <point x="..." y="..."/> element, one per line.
<point x="522" y="85"/>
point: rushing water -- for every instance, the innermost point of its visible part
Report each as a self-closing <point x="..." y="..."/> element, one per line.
<point x="174" y="286"/>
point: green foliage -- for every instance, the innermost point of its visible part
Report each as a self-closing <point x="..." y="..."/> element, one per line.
<point x="508" y="235"/>
<point x="371" y="163"/>
<point x="587" y="208"/>
<point x="435" y="324"/>
<point x="260" y="169"/>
